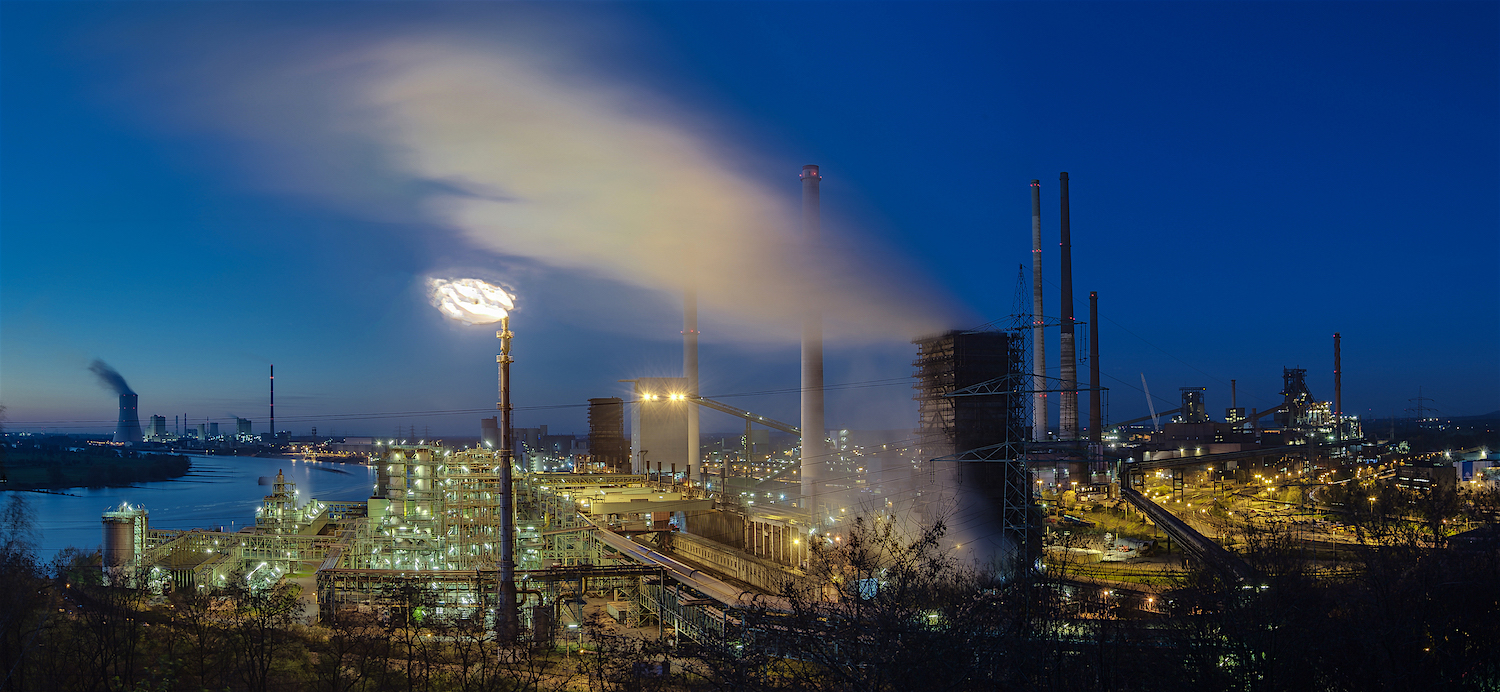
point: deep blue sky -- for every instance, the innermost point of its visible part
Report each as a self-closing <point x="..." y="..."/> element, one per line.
<point x="1247" y="179"/>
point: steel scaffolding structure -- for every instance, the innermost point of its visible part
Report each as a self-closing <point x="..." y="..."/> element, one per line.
<point x="955" y="361"/>
<point x="471" y="509"/>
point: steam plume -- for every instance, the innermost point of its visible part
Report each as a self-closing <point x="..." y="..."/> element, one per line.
<point x="528" y="153"/>
<point x="109" y="378"/>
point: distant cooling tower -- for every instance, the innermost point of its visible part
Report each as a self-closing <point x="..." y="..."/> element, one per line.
<point x="128" y="430"/>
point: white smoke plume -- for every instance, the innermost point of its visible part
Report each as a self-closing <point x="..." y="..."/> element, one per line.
<point x="532" y="154"/>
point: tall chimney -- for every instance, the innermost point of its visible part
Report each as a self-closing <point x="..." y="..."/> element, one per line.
<point x="1096" y="417"/>
<point x="813" y="448"/>
<point x="1233" y="397"/>
<point x="128" y="430"/>
<point x="1338" y="388"/>
<point x="1038" y="337"/>
<point x="690" y="371"/>
<point x="1068" y="402"/>
<point x="273" y="403"/>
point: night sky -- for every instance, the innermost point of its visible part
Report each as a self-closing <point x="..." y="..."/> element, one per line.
<point x="194" y="191"/>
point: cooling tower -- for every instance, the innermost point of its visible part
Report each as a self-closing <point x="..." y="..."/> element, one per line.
<point x="128" y="430"/>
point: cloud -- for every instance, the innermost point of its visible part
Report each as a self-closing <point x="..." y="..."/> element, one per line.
<point x="529" y="153"/>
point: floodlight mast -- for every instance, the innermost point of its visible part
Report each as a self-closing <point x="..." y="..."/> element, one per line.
<point x="507" y="624"/>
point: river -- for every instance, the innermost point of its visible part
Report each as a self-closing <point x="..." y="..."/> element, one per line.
<point x="217" y="491"/>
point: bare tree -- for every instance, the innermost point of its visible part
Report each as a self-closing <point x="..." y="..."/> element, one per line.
<point x="108" y="625"/>
<point x="200" y="618"/>
<point x="23" y="600"/>
<point x="349" y="653"/>
<point x="260" y="624"/>
<point x="624" y="663"/>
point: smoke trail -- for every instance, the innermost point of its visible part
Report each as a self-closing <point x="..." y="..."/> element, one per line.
<point x="109" y="378"/>
<point x="529" y="152"/>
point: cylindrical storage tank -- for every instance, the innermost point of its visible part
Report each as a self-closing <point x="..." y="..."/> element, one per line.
<point x="119" y="543"/>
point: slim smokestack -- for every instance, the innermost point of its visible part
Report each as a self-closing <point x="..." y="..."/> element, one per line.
<point x="1068" y="402"/>
<point x="1233" y="397"/>
<point x="1038" y="337"/>
<point x="813" y="448"/>
<point x="690" y="371"/>
<point x="1096" y="417"/>
<point x="273" y="403"/>
<point x="1338" y="387"/>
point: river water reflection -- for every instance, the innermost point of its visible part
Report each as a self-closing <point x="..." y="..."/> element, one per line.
<point x="217" y="491"/>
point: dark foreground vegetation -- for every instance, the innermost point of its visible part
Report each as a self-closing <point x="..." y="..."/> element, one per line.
<point x="56" y="462"/>
<point x="1404" y="614"/>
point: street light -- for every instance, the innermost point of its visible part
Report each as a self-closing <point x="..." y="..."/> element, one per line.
<point x="473" y="301"/>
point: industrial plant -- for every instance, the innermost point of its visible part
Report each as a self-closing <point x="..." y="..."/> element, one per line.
<point x="668" y="533"/>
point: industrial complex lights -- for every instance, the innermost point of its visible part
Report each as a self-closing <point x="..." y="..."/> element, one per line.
<point x="471" y="300"/>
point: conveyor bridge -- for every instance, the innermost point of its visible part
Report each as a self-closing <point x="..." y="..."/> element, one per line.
<point x="1201" y="547"/>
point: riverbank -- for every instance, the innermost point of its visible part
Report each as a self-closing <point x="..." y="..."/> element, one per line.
<point x="216" y="491"/>
<point x="56" y="468"/>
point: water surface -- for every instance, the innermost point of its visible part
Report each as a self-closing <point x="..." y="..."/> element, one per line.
<point x="217" y="491"/>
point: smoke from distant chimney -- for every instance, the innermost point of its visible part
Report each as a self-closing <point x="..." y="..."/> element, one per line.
<point x="109" y="378"/>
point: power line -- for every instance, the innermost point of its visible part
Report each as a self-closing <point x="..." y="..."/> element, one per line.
<point x="334" y="417"/>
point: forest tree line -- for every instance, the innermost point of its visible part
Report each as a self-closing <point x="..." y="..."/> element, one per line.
<point x="54" y="463"/>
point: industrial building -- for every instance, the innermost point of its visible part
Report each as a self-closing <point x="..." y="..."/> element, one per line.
<point x="433" y="526"/>
<point x="659" y="425"/>
<point x="671" y="536"/>
<point x="435" y="521"/>
<point x="607" y="433"/>
<point x="157" y="431"/>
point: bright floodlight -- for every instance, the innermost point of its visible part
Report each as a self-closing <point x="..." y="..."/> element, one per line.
<point x="471" y="300"/>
